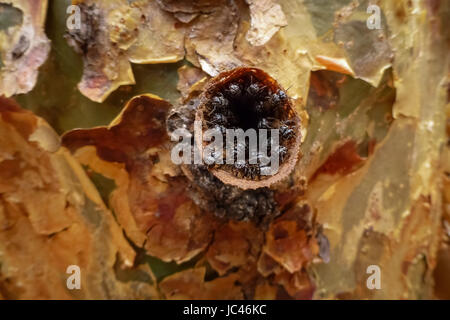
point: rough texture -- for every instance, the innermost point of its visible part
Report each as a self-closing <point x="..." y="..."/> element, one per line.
<point x="51" y="217"/>
<point x="23" y="45"/>
<point x="371" y="187"/>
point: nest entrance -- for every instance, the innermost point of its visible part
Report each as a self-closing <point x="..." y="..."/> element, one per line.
<point x="248" y="98"/>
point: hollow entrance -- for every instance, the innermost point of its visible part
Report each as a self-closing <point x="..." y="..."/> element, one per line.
<point x="247" y="102"/>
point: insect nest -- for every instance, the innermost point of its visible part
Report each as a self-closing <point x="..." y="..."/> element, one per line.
<point x="246" y="100"/>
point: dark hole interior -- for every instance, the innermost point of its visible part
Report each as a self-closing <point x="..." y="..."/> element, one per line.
<point x="245" y="113"/>
<point x="248" y="103"/>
